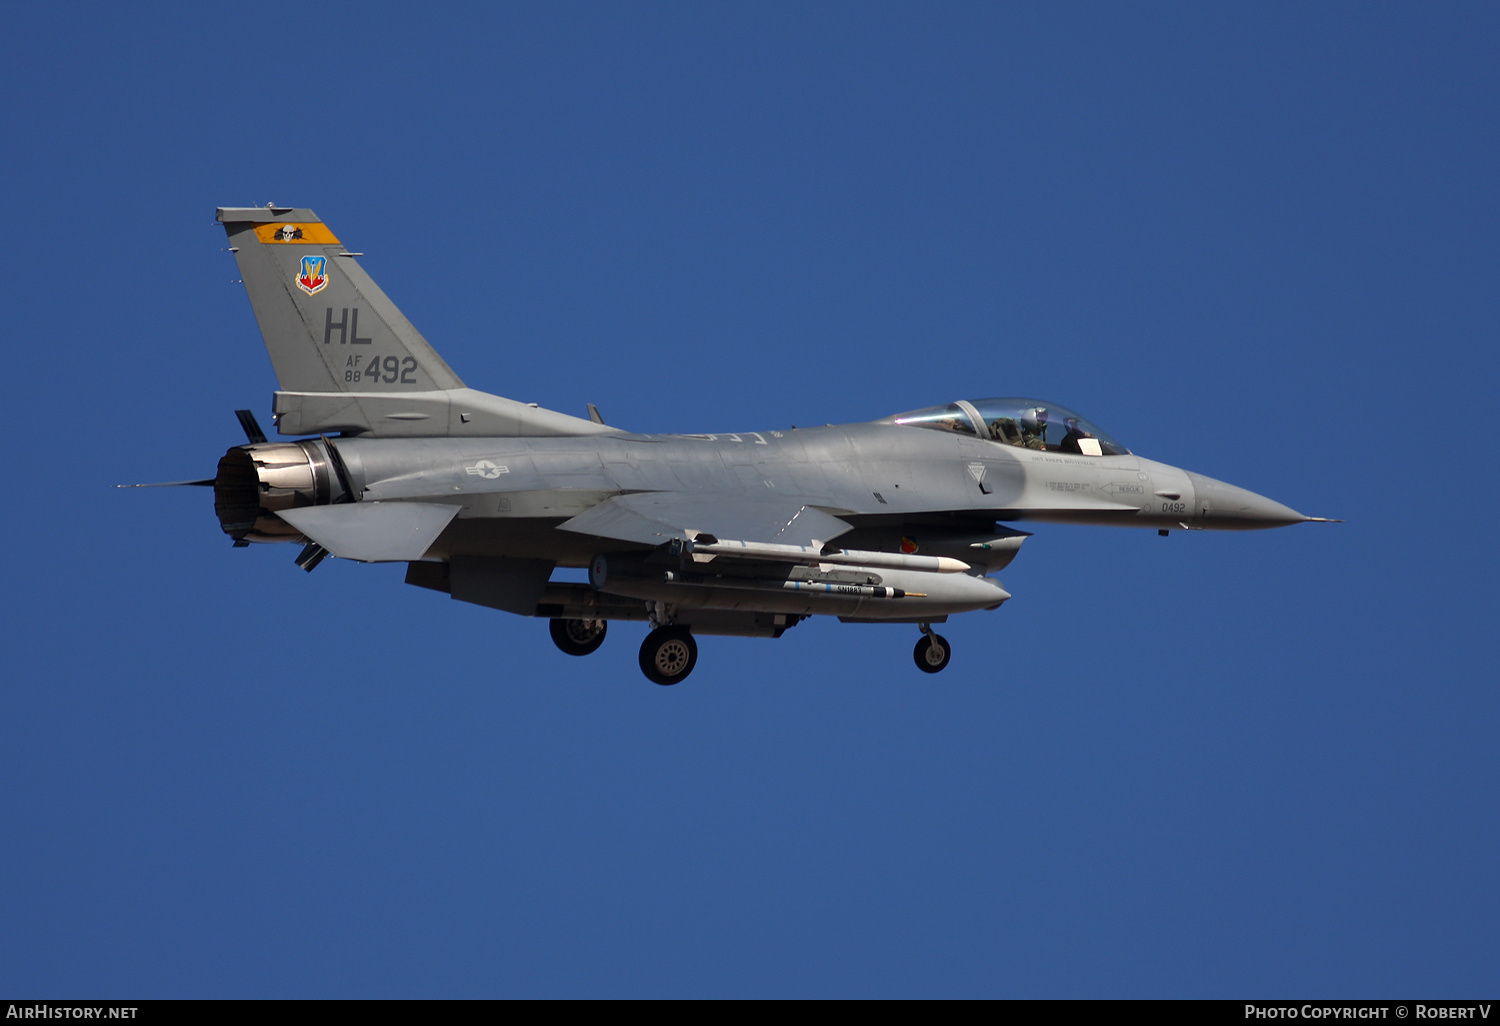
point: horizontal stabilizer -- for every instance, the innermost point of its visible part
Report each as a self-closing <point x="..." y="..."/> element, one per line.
<point x="654" y="518"/>
<point x="373" y="532"/>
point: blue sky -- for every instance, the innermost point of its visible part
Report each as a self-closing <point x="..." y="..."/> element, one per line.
<point x="1257" y="242"/>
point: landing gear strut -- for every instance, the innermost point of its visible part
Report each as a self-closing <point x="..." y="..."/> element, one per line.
<point x="932" y="652"/>
<point x="668" y="655"/>
<point x="578" y="637"/>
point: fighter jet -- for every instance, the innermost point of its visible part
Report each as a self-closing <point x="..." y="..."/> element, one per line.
<point x="901" y="520"/>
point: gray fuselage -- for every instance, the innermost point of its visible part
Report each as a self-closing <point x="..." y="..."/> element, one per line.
<point x="513" y="492"/>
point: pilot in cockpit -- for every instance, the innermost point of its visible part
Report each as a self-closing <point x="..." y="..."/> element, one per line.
<point x="1034" y="428"/>
<point x="1070" y="438"/>
<point x="1023" y="423"/>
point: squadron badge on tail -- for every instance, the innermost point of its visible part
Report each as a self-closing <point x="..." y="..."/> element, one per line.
<point x="312" y="274"/>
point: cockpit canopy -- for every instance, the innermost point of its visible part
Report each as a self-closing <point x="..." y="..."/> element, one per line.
<point x="1024" y="423"/>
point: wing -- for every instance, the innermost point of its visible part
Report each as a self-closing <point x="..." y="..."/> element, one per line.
<point x="653" y="518"/>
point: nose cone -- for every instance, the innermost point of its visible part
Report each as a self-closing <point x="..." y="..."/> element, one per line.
<point x="1226" y="507"/>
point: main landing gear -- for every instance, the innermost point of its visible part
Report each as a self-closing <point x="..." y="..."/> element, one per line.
<point x="933" y="651"/>
<point x="578" y="637"/>
<point x="668" y="655"/>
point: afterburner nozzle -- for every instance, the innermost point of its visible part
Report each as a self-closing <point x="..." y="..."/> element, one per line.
<point x="255" y="482"/>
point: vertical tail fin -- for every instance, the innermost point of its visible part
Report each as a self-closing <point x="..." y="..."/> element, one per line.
<point x="346" y="359"/>
<point x="327" y="325"/>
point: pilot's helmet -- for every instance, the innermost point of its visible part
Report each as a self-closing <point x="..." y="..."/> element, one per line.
<point x="1034" y="420"/>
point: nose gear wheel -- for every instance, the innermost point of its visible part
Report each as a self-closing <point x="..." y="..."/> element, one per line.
<point x="932" y="653"/>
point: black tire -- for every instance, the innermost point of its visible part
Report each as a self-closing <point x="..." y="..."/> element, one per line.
<point x="668" y="655"/>
<point x="578" y="637"/>
<point x="932" y="653"/>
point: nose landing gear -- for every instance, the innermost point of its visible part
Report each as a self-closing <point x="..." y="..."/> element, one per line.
<point x="932" y="652"/>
